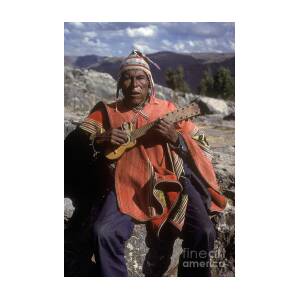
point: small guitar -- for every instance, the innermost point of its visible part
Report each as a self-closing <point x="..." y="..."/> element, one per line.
<point x="183" y="113"/>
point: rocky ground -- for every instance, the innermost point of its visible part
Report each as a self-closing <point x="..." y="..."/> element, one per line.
<point x="219" y="125"/>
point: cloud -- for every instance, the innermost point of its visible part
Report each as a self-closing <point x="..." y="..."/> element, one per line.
<point x="143" y="47"/>
<point x="77" y="24"/>
<point x="114" y="33"/>
<point x="211" y="42"/>
<point x="118" y="38"/>
<point x="90" y="34"/>
<point x="179" y="46"/>
<point x="94" y="42"/>
<point x="148" y="31"/>
<point x="166" y="43"/>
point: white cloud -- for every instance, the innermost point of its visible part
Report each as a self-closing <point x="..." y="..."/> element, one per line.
<point x="149" y="38"/>
<point x="115" y="33"/>
<point x="142" y="31"/>
<point x="179" y="46"/>
<point x="95" y="43"/>
<point x="166" y="43"/>
<point x="77" y="24"/>
<point x="211" y="42"/>
<point x="90" y="34"/>
<point x="143" y="47"/>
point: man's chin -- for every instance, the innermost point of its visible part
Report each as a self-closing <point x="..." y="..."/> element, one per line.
<point x="134" y="100"/>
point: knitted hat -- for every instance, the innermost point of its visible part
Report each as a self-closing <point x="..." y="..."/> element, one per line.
<point x="137" y="60"/>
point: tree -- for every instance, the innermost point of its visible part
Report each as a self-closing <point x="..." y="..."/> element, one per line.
<point x="224" y="83"/>
<point x="220" y="85"/>
<point x="175" y="80"/>
<point x="206" y="86"/>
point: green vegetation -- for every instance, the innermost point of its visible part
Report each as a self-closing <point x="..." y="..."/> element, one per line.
<point x="221" y="85"/>
<point x="175" y="80"/>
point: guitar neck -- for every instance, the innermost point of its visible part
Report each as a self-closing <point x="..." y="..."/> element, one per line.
<point x="137" y="133"/>
<point x="178" y="115"/>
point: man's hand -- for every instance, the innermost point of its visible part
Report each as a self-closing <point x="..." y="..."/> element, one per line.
<point x="166" y="130"/>
<point x="112" y="137"/>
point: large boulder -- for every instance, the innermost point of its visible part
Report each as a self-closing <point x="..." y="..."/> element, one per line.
<point x="85" y="88"/>
<point x="69" y="209"/>
<point x="214" y="106"/>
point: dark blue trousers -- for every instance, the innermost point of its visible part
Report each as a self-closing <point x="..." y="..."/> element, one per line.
<point x="112" y="229"/>
<point x="198" y="236"/>
<point x="110" y="232"/>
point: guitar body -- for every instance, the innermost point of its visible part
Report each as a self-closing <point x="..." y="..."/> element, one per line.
<point x="115" y="153"/>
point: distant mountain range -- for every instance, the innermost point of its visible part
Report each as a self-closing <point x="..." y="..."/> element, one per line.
<point x="194" y="64"/>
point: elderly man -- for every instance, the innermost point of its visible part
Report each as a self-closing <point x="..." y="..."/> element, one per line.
<point x="166" y="180"/>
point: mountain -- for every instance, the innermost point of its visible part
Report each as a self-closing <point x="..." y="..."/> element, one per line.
<point x="70" y="60"/>
<point x="194" y="64"/>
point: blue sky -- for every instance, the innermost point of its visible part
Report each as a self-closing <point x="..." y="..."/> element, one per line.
<point x="118" y="39"/>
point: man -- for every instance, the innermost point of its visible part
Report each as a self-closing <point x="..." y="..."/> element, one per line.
<point x="166" y="181"/>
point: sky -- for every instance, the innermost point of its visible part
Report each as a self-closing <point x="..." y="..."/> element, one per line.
<point x="118" y="39"/>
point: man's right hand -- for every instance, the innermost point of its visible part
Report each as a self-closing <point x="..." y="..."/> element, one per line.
<point x="111" y="137"/>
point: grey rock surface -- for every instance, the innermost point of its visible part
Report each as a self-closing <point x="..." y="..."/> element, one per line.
<point x="136" y="251"/>
<point x="84" y="88"/>
<point x="215" y="106"/>
<point x="68" y="209"/>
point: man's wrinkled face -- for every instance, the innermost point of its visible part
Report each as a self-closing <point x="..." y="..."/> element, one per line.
<point x="134" y="85"/>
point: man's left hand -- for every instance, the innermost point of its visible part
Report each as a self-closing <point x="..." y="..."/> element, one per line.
<point x="166" y="130"/>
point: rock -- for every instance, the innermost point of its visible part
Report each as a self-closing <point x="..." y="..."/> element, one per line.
<point x="68" y="209"/>
<point x="136" y="253"/>
<point x="69" y="126"/>
<point x="72" y="120"/>
<point x="231" y="106"/>
<point x="214" y="106"/>
<point x="223" y="259"/>
<point x="230" y="117"/>
<point x="164" y="92"/>
<point x="136" y="250"/>
<point x="84" y="88"/>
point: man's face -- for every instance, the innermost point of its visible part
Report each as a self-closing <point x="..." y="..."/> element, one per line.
<point x="134" y="85"/>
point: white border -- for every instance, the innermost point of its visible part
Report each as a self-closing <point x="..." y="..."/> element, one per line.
<point x="267" y="149"/>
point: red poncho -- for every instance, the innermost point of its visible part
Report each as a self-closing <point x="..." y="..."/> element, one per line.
<point x="147" y="188"/>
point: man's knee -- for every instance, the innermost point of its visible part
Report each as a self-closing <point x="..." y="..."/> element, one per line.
<point x="103" y="232"/>
<point x="109" y="232"/>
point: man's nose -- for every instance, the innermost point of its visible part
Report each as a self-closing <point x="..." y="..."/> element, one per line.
<point x="133" y="81"/>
